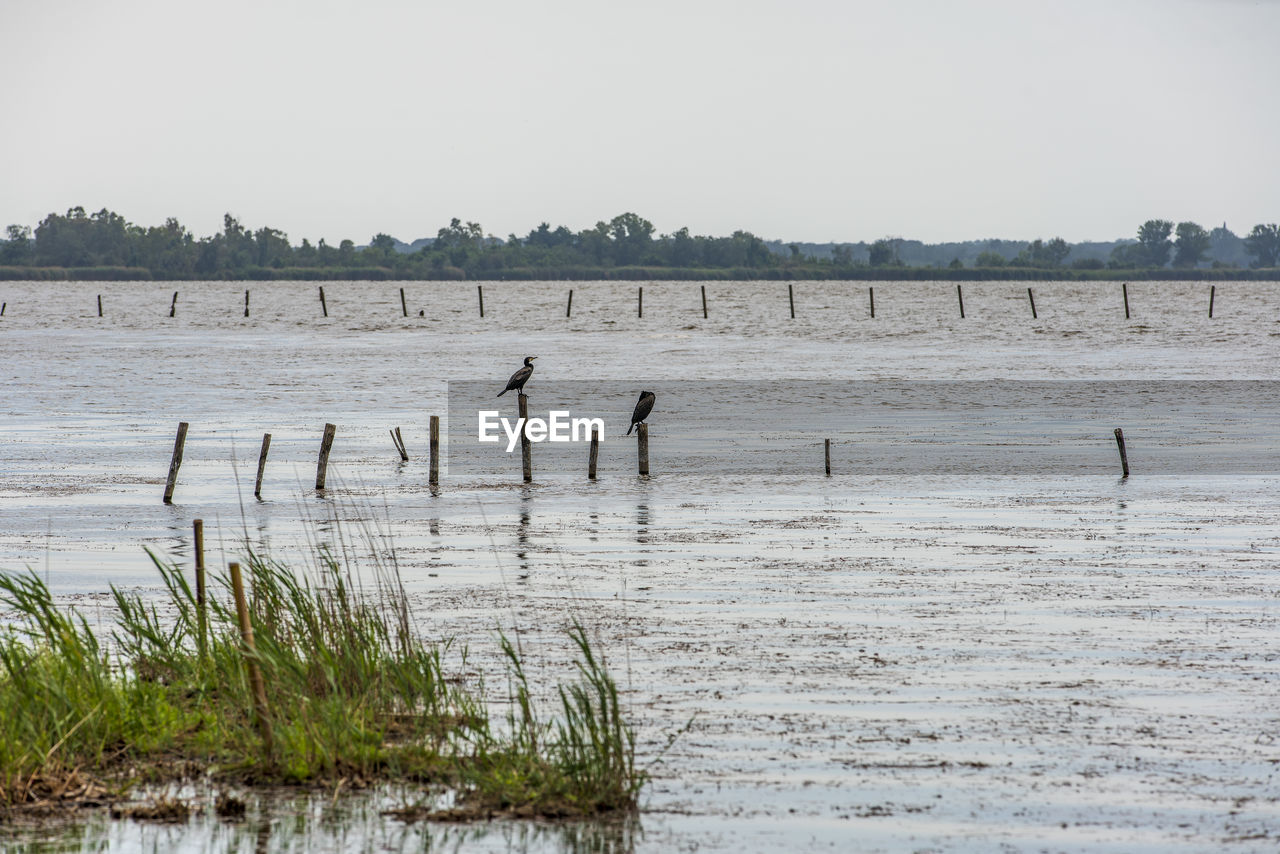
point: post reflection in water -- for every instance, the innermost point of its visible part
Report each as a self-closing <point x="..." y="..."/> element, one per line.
<point x="522" y="534"/>
<point x="644" y="520"/>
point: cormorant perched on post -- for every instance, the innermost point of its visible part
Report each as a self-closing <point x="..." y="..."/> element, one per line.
<point x="643" y="407"/>
<point x="520" y="377"/>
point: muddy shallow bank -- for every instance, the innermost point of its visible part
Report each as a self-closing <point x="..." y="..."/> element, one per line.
<point x="1049" y="661"/>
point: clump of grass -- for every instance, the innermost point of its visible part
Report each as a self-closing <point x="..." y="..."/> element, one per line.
<point x="353" y="694"/>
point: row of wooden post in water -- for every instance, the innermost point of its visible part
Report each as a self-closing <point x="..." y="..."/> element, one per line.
<point x="568" y="310"/>
<point x="526" y="453"/>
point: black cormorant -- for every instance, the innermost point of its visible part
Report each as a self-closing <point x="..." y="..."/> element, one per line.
<point x="643" y="407"/>
<point x="520" y="377"/>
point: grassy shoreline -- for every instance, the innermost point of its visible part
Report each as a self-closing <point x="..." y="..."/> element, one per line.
<point x="354" y="695"/>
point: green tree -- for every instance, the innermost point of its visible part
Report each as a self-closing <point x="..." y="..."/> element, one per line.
<point x="1153" y="237"/>
<point x="884" y="252"/>
<point x="842" y="256"/>
<point x="17" y="249"/>
<point x="1192" y="244"/>
<point x="990" y="259"/>
<point x="1263" y="243"/>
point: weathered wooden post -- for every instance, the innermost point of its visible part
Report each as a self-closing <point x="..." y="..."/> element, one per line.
<point x="960" y="297"/>
<point x="704" y="302"/>
<point x="399" y="442"/>
<point x="262" y="465"/>
<point x="595" y="453"/>
<point x="173" y="305"/>
<point x="246" y="303"/>
<point x="640" y="303"/>
<point x="871" y="295"/>
<point x="434" y="477"/>
<point x="175" y="461"/>
<point x="1032" y="298"/>
<point x="259" y="688"/>
<point x="4" y="305"/>
<point x="526" y="447"/>
<point x="1125" y="289"/>
<point x="791" y="297"/>
<point x="1124" y="458"/>
<point x="827" y="454"/>
<point x="323" y="306"/>
<point x="202" y="619"/>
<point x="99" y="305"/>
<point x="568" y="309"/>
<point x="404" y="309"/>
<point x="642" y="448"/>
<point x="326" y="444"/>
<point x="480" y="294"/>
<point x="1212" y="288"/>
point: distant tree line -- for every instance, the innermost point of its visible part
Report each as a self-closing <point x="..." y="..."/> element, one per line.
<point x="105" y="245"/>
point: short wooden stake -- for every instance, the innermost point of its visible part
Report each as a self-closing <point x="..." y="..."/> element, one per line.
<point x="640" y="303"/>
<point x="326" y="444"/>
<point x="4" y="305"/>
<point x="173" y="305"/>
<point x="246" y="303"/>
<point x="175" y="462"/>
<point x="323" y="306"/>
<point x="202" y="619"/>
<point x="1124" y="458"/>
<point x="704" y="302"/>
<point x="480" y="294"/>
<point x="99" y="305"/>
<point x="642" y="448"/>
<point x="262" y="465"/>
<point x="526" y="447"/>
<point x="1212" y="288"/>
<point x="871" y="295"/>
<point x="1125" y="288"/>
<point x="1032" y="298"/>
<point x="568" y="309"/>
<point x="251" y="661"/>
<point x="791" y="297"/>
<point x="595" y="453"/>
<point x="404" y="309"/>
<point x="827" y="443"/>
<point x="960" y="297"/>
<point x="434" y="477"/>
<point x="398" y="441"/>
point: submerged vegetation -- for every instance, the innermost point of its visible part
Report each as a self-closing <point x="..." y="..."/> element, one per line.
<point x="353" y="694"/>
<point x="103" y="245"/>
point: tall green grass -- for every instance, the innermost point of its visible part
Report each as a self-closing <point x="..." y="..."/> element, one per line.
<point x="353" y="693"/>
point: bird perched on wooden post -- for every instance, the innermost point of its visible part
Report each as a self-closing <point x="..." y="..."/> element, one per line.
<point x="643" y="407"/>
<point x="520" y="377"/>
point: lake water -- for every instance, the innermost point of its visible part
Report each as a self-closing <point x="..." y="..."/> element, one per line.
<point x="974" y="635"/>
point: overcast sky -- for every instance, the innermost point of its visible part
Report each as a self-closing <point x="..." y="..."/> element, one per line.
<point x="801" y="120"/>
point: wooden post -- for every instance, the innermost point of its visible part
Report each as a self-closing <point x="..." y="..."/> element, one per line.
<point x="173" y="306"/>
<point x="827" y="444"/>
<point x="1125" y="288"/>
<point x="595" y="453"/>
<point x="642" y="448"/>
<point x="480" y="294"/>
<point x="960" y="297"/>
<point x="704" y="302"/>
<point x="526" y="447"/>
<point x="246" y="303"/>
<point x="258" y="687"/>
<point x="1032" y="298"/>
<point x="398" y="441"/>
<point x="4" y="305"/>
<point x="99" y="305"/>
<point x="262" y="465"/>
<point x="326" y="444"/>
<point x="175" y="462"/>
<point x="871" y="295"/>
<point x="791" y="297"/>
<point x="640" y="303"/>
<point x="434" y="477"/>
<point x="404" y="309"/>
<point x="323" y="306"/>
<point x="568" y="309"/>
<point x="1124" y="458"/>
<point x="202" y="620"/>
<point x="1212" y="288"/>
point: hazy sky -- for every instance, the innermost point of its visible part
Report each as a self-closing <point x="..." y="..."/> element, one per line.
<point x="807" y="120"/>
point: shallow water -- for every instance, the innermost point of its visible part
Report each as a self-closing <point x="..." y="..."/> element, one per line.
<point x="993" y="641"/>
